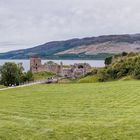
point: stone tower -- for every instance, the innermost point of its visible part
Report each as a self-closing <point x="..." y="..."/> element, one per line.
<point x="60" y="69"/>
<point x="35" y="63"/>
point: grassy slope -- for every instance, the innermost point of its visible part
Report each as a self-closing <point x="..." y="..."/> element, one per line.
<point x="87" y="79"/>
<point x="100" y="111"/>
<point x="42" y="75"/>
<point x="94" y="79"/>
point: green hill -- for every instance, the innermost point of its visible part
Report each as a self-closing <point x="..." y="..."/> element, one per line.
<point x="86" y="48"/>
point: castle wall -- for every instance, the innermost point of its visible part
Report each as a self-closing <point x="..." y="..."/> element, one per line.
<point x="36" y="66"/>
<point x="74" y="71"/>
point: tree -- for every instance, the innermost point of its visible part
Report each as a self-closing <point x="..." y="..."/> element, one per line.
<point x="29" y="76"/>
<point x="124" y="53"/>
<point x="10" y="74"/>
<point x="50" y="63"/>
<point x="108" y="60"/>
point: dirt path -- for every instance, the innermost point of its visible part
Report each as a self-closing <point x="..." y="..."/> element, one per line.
<point x="25" y="85"/>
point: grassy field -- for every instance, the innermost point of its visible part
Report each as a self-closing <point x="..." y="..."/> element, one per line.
<point x="98" y="111"/>
<point x="1" y="86"/>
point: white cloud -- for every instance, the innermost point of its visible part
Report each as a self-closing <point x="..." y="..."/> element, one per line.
<point x="30" y="22"/>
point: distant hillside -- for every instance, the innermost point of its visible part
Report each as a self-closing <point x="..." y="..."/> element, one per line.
<point x="86" y="48"/>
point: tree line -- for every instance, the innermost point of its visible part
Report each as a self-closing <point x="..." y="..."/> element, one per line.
<point x="12" y="75"/>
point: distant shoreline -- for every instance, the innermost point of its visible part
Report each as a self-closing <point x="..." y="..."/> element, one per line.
<point x="51" y="59"/>
<point x="26" y="62"/>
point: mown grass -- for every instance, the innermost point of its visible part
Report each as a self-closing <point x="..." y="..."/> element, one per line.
<point x="98" y="111"/>
<point x="1" y="86"/>
<point x="87" y="79"/>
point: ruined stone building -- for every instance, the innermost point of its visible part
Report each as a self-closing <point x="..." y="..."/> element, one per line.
<point x="76" y="70"/>
<point x="72" y="71"/>
<point x="37" y="66"/>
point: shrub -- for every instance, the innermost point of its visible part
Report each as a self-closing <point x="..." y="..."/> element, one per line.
<point x="102" y="75"/>
<point x="137" y="70"/>
<point x="27" y="77"/>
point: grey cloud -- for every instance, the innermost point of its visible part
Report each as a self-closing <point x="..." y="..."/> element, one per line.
<point x="31" y="22"/>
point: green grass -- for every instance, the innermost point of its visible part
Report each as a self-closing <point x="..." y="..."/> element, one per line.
<point x="42" y="75"/>
<point x="66" y="81"/>
<point x="97" y="111"/>
<point x="87" y="79"/>
<point x="1" y="86"/>
<point x="94" y="79"/>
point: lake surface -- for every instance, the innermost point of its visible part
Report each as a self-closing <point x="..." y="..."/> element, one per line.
<point x="26" y="63"/>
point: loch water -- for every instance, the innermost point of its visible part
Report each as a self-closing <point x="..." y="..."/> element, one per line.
<point x="26" y="63"/>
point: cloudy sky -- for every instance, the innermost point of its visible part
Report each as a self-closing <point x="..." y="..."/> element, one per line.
<point x="27" y="23"/>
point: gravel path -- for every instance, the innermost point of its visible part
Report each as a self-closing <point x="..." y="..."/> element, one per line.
<point x="25" y="85"/>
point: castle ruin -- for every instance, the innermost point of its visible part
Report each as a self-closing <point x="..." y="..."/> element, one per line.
<point x="72" y="71"/>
